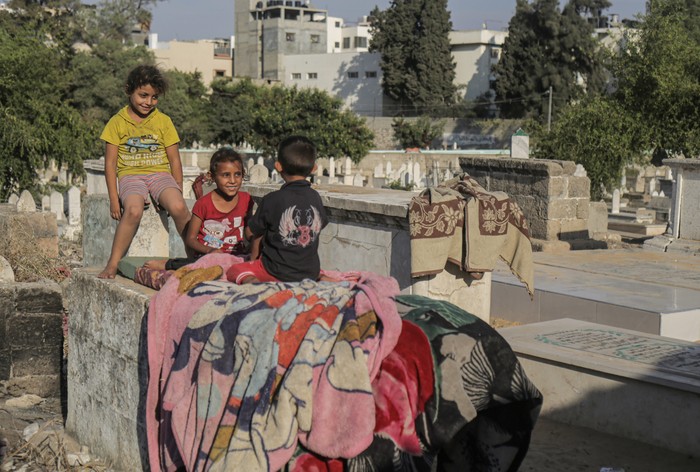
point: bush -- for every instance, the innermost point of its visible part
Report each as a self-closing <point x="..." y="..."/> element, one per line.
<point x="417" y="134"/>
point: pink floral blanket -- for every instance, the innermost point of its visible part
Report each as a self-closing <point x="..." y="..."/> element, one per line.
<point x="240" y="376"/>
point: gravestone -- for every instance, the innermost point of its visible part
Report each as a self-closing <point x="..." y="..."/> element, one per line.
<point x="623" y="184"/>
<point x="26" y="203"/>
<point x="251" y="163"/>
<point x="417" y="178"/>
<point x="260" y="161"/>
<point x="45" y="203"/>
<point x="331" y="170"/>
<point x="258" y="174"/>
<point x="319" y="171"/>
<point x="378" y="170"/>
<point x="62" y="176"/>
<point x="357" y="180"/>
<point x="389" y="173"/>
<point x="275" y="177"/>
<point x="580" y="171"/>
<point x="191" y="160"/>
<point x="409" y="171"/>
<point x="13" y="199"/>
<point x="73" y="206"/>
<point x="57" y="206"/>
<point x="652" y="186"/>
<point x="520" y="145"/>
<point x="348" y="167"/>
<point x="615" y="202"/>
<point x="7" y="275"/>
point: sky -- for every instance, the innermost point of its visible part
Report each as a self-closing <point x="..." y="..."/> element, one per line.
<point x="206" y="19"/>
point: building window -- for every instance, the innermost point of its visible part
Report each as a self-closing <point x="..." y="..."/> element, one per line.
<point x="312" y="76"/>
<point x="219" y="73"/>
<point x="346" y="43"/>
<point x="495" y="53"/>
<point x="360" y="42"/>
<point x="337" y="45"/>
<point x="315" y="38"/>
<point x="291" y="37"/>
<point x="337" y="24"/>
<point x="353" y="75"/>
<point x="296" y="75"/>
<point x="371" y="74"/>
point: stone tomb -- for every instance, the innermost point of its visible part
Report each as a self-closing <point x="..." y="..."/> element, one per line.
<point x="621" y="382"/>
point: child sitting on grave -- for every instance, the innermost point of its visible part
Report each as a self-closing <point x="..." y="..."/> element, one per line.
<point x="287" y="223"/>
<point x="218" y="218"/>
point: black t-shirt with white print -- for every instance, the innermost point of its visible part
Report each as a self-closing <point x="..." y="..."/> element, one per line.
<point x="291" y="220"/>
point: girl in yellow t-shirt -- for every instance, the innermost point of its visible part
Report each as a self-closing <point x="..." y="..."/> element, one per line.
<point x="142" y="158"/>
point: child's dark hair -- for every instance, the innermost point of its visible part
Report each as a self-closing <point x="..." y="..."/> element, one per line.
<point x="146" y="75"/>
<point x="297" y="156"/>
<point x="225" y="154"/>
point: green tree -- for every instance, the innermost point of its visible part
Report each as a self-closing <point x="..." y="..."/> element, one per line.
<point x="548" y="48"/>
<point x="37" y="125"/>
<point x="413" y="39"/>
<point x="262" y="116"/>
<point x="419" y="133"/>
<point x="597" y="133"/>
<point x="657" y="76"/>
<point x="185" y="103"/>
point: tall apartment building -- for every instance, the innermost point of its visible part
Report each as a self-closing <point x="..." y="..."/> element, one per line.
<point x="268" y="30"/>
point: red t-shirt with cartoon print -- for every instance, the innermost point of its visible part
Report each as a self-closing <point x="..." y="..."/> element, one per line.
<point x="223" y="230"/>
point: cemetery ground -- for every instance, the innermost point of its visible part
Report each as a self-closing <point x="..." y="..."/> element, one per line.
<point x="33" y="438"/>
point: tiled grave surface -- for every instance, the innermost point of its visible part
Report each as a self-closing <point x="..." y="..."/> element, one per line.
<point x="656" y="293"/>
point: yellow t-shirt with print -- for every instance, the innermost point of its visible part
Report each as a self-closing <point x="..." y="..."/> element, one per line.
<point x="141" y="145"/>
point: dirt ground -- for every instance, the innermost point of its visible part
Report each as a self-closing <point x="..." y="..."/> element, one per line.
<point x="554" y="447"/>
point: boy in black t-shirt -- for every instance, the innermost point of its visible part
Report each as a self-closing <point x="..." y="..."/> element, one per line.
<point x="285" y="230"/>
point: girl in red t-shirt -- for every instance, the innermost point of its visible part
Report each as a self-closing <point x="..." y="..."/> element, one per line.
<point x="219" y="217"/>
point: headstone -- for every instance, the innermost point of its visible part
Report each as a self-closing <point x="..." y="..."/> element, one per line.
<point x="275" y="177"/>
<point x="73" y="206"/>
<point x="389" y="173"/>
<point x="357" y="180"/>
<point x="192" y="160"/>
<point x="378" y="170"/>
<point x="448" y="175"/>
<point x="580" y="171"/>
<point x="13" y="199"/>
<point x="416" y="173"/>
<point x="645" y="215"/>
<point x="261" y="161"/>
<point x="26" y="202"/>
<point x="45" y="203"/>
<point x="57" y="205"/>
<point x="258" y="174"/>
<point x="319" y="170"/>
<point x="348" y="166"/>
<point x="251" y="163"/>
<point x="615" y="202"/>
<point x="62" y="176"/>
<point x="409" y="170"/>
<point x="7" y="275"/>
<point x="623" y="183"/>
<point x="331" y="168"/>
<point x="520" y="145"/>
<point x="669" y="174"/>
<point x="652" y="185"/>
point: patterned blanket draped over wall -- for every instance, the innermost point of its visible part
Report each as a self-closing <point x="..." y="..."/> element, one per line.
<point x="327" y="376"/>
<point x="460" y="222"/>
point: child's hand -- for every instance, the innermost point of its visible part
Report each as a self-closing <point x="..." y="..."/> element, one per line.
<point x="115" y="210"/>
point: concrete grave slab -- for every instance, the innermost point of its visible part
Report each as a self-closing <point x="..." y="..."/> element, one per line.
<point x="618" y="381"/>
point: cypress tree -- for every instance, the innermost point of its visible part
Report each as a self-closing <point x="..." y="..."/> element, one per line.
<point x="413" y="39"/>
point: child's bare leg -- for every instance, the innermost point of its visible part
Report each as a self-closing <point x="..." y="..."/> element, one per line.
<point x="156" y="264"/>
<point x="171" y="199"/>
<point x="126" y="229"/>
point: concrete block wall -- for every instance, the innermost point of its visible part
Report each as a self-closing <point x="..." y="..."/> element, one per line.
<point x="31" y="337"/>
<point x="554" y="200"/>
<point x="107" y="367"/>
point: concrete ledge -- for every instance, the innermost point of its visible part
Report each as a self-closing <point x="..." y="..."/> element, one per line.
<point x="107" y="366"/>
<point x="617" y="381"/>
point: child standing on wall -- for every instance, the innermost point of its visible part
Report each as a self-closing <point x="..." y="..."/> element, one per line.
<point x="142" y="157"/>
<point x="287" y="223"/>
<point x="219" y="217"/>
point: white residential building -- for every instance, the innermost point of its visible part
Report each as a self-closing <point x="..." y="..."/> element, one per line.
<point x="474" y="52"/>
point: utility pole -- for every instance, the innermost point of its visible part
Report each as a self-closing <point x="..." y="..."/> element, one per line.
<point x="549" y="113"/>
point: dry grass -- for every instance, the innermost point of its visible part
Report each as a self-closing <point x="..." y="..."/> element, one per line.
<point x="28" y="261"/>
<point x="47" y="450"/>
